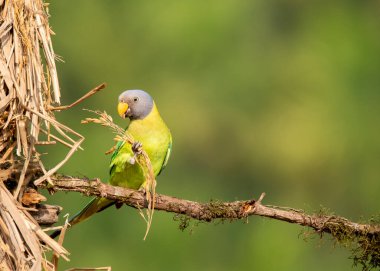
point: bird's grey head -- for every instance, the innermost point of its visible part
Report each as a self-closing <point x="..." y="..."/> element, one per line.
<point x="134" y="104"/>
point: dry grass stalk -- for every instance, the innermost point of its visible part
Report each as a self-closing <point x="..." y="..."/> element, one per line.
<point x="106" y="268"/>
<point x="29" y="90"/>
<point x="142" y="158"/>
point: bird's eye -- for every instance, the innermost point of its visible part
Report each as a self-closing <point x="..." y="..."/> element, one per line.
<point x="135" y="99"/>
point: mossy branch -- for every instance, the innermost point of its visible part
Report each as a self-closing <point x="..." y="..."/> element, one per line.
<point x="363" y="238"/>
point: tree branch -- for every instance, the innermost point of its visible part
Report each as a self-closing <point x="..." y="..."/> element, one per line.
<point x="363" y="239"/>
<point x="46" y="214"/>
<point x="212" y="210"/>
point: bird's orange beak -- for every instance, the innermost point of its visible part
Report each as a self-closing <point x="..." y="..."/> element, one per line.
<point x="122" y="109"/>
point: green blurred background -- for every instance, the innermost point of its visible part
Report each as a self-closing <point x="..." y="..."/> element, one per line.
<point x="275" y="96"/>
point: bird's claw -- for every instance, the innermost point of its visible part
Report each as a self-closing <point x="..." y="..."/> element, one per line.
<point x="143" y="189"/>
<point x="118" y="204"/>
<point x="137" y="147"/>
<point x="146" y="189"/>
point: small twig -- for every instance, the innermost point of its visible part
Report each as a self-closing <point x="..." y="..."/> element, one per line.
<point x="87" y="95"/>
<point x="260" y="198"/>
<point x="106" y="268"/>
<point x="55" y="259"/>
<point x="22" y="179"/>
<point x="58" y="139"/>
<point x="52" y="228"/>
<point x="57" y="166"/>
<point x="111" y="150"/>
<point x="45" y="143"/>
<point x="8" y="152"/>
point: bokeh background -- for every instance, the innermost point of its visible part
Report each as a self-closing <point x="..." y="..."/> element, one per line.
<point x="275" y="96"/>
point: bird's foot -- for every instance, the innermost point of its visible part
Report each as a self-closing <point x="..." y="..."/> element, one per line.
<point x="118" y="204"/>
<point x="137" y="147"/>
<point x="143" y="188"/>
<point x="146" y="188"/>
<point x="137" y="150"/>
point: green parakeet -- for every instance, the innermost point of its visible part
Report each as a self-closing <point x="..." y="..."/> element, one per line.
<point x="149" y="130"/>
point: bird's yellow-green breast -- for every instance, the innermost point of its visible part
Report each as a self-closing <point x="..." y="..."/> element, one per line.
<point x="155" y="137"/>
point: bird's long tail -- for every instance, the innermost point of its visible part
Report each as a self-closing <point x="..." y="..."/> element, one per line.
<point x="96" y="205"/>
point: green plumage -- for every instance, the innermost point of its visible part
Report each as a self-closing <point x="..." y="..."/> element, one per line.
<point x="156" y="140"/>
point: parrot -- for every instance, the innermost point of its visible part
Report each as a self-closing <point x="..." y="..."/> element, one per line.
<point x="150" y="132"/>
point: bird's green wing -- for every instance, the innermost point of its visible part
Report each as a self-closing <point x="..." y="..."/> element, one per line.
<point x="119" y="145"/>
<point x="167" y="156"/>
<point x="117" y="149"/>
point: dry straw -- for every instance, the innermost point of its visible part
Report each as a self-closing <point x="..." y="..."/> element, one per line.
<point x="29" y="90"/>
<point x="29" y="96"/>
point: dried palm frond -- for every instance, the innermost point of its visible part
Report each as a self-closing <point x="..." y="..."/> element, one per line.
<point x="29" y="89"/>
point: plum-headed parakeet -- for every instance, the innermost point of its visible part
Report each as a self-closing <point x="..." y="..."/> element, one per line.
<point x="149" y="130"/>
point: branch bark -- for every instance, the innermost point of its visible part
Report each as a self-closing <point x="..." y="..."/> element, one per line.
<point x="46" y="214"/>
<point x="214" y="210"/>
<point x="362" y="239"/>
